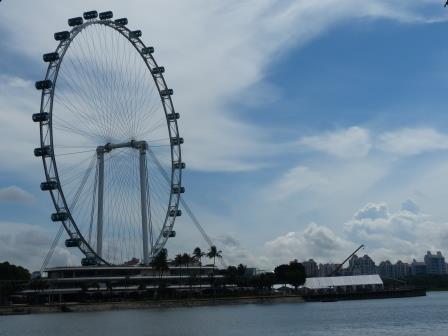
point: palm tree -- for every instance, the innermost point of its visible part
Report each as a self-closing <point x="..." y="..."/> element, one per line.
<point x="186" y="259"/>
<point x="178" y="261"/>
<point x="160" y="262"/>
<point x="198" y="254"/>
<point x="214" y="253"/>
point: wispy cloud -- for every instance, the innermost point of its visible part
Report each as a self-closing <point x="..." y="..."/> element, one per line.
<point x="353" y="142"/>
<point x="14" y="194"/>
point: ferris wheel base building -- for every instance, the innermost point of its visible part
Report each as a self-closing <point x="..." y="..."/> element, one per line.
<point x="68" y="283"/>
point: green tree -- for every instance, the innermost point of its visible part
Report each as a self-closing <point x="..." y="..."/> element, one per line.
<point x="296" y="274"/>
<point x="12" y="272"/>
<point x="213" y="253"/>
<point x="197" y="255"/>
<point x="160" y="262"/>
<point x="178" y="260"/>
<point x="241" y="270"/>
<point x="292" y="273"/>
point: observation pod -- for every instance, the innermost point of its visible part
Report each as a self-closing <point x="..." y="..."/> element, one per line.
<point x="175" y="213"/>
<point x="177" y="141"/>
<point x="135" y="34"/>
<point x="59" y="216"/>
<point x="106" y="15"/>
<point x="39" y="117"/>
<point x="179" y="165"/>
<point x="169" y="234"/>
<point x="42" y="151"/>
<point x="158" y="70"/>
<point x="72" y="242"/>
<point x="166" y="92"/>
<point x="147" y="50"/>
<point x="48" y="185"/>
<point x="51" y="57"/>
<point x="173" y="116"/>
<point x="90" y="15"/>
<point x="76" y="21"/>
<point x="44" y="84"/>
<point x="61" y="36"/>
<point x="89" y="261"/>
<point x="178" y="190"/>
<point x="122" y="21"/>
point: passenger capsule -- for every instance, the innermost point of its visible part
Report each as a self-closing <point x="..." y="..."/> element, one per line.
<point x="106" y="15"/>
<point x="178" y="190"/>
<point x="177" y="141"/>
<point x="122" y="21"/>
<point x="39" y="117"/>
<point x="179" y="165"/>
<point x="72" y="242"/>
<point x="44" y="84"/>
<point x="166" y="92"/>
<point x="59" y="216"/>
<point x="76" y="21"/>
<point x="173" y="116"/>
<point x="148" y="50"/>
<point x="43" y="151"/>
<point x="135" y="34"/>
<point x="51" y="57"/>
<point x="169" y="234"/>
<point x="158" y="70"/>
<point x="90" y="15"/>
<point x="175" y="213"/>
<point x="61" y="36"/>
<point x="48" y="185"/>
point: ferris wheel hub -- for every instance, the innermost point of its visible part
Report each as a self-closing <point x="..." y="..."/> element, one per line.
<point x="142" y="145"/>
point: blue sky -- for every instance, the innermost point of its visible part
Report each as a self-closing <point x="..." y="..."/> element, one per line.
<point x="307" y="125"/>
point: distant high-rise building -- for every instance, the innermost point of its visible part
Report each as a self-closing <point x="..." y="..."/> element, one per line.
<point x="327" y="269"/>
<point x="435" y="263"/>
<point x="362" y="265"/>
<point x="311" y="268"/>
<point x="386" y="269"/>
<point x="418" y="267"/>
<point x="401" y="269"/>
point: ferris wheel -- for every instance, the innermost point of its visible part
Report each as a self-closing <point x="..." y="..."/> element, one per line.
<point x="109" y="142"/>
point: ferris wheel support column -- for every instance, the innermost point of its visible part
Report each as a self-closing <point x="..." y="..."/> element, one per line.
<point x="144" y="208"/>
<point x="99" y="234"/>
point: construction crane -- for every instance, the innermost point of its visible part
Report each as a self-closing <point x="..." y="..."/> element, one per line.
<point x="337" y="269"/>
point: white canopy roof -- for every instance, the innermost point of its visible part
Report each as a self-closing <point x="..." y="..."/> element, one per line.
<point x="356" y="280"/>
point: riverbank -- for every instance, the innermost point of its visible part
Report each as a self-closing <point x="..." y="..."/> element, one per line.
<point x="104" y="306"/>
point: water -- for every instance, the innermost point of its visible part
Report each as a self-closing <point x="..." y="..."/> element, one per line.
<point x="397" y="317"/>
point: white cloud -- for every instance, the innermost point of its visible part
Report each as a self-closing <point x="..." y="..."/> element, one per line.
<point x="412" y="141"/>
<point x="296" y="180"/>
<point x="16" y="195"/>
<point x="353" y="142"/>
<point x="402" y="234"/>
<point x="26" y="245"/>
<point x="213" y="52"/>
<point x="315" y="241"/>
<point x="372" y="211"/>
<point x="399" y="235"/>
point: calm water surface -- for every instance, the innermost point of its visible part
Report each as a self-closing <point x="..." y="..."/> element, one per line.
<point x="413" y="316"/>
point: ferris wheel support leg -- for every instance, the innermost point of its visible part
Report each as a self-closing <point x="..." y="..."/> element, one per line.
<point x="144" y="208"/>
<point x="99" y="234"/>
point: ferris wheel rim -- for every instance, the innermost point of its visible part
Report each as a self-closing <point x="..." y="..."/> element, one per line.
<point x="46" y="137"/>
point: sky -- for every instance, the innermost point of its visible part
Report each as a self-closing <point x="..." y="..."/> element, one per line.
<point x="310" y="127"/>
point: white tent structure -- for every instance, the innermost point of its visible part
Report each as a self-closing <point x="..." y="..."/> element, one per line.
<point x="344" y="283"/>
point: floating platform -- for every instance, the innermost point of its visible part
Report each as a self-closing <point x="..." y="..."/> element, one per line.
<point x="383" y="294"/>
